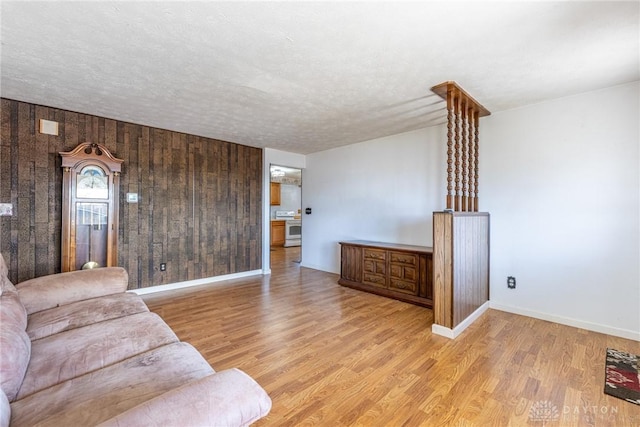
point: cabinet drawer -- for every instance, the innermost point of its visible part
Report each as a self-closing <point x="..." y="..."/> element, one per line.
<point x="403" y="258"/>
<point x="404" y="272"/>
<point x="374" y="266"/>
<point x="403" y="286"/>
<point x="375" y="280"/>
<point x="374" y="254"/>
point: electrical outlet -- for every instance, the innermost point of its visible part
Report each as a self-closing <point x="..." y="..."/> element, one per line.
<point x="163" y="266"/>
<point x="511" y="282"/>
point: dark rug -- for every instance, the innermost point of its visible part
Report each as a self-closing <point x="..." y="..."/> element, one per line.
<point x="622" y="378"/>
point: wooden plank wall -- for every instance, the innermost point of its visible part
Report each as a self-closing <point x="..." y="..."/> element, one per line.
<point x="200" y="198"/>
<point x="471" y="264"/>
<point x="460" y="265"/>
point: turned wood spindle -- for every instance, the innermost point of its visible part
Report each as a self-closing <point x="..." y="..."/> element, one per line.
<point x="463" y="120"/>
<point x="470" y="157"/>
<point x="465" y="154"/>
<point x="450" y="120"/>
<point x="476" y="120"/>
<point x="456" y="151"/>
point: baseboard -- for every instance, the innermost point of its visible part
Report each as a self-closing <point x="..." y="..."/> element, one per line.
<point x="595" y="327"/>
<point x="317" y="267"/>
<point x="455" y="332"/>
<point x="197" y="282"/>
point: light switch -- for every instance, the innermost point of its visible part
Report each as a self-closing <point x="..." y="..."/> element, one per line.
<point x="48" y="127"/>
<point x="6" y="209"/>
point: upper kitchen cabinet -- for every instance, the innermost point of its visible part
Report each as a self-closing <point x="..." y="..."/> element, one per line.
<point x="275" y="194"/>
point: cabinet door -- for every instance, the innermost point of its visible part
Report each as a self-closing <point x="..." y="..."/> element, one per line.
<point x="275" y="194"/>
<point x="425" y="281"/>
<point x="278" y="233"/>
<point x="374" y="267"/>
<point x="351" y="263"/>
<point x="403" y="272"/>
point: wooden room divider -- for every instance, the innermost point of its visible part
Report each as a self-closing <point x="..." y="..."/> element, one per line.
<point x="460" y="232"/>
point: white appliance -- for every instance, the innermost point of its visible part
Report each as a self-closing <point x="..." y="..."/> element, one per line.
<point x="293" y="228"/>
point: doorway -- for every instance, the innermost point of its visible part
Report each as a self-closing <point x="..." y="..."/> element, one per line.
<point x="285" y="200"/>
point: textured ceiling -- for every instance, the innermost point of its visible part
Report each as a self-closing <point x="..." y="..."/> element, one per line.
<point x="307" y="76"/>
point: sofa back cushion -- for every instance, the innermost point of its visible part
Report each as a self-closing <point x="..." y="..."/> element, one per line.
<point x="15" y="346"/>
<point x="4" y="270"/>
<point x="11" y="307"/>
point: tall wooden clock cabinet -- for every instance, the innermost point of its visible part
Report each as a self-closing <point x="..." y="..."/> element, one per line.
<point x="90" y="201"/>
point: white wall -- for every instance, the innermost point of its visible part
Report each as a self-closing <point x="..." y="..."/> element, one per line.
<point x="561" y="182"/>
<point x="382" y="190"/>
<point x="559" y="178"/>
<point x="281" y="158"/>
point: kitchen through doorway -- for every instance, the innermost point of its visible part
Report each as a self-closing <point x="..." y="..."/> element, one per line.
<point x="285" y="199"/>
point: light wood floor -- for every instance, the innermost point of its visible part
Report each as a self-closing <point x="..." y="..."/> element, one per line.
<point x="333" y="356"/>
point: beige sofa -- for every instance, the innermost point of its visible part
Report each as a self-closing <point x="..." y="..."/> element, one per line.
<point x="77" y="350"/>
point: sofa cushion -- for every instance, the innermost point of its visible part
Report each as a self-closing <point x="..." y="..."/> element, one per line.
<point x="12" y="308"/>
<point x="15" y="346"/>
<point x="105" y="393"/>
<point x="73" y="353"/>
<point x="83" y="313"/>
<point x="5" y="410"/>
<point x="60" y="289"/>
<point x="226" y="398"/>
<point x="4" y="270"/>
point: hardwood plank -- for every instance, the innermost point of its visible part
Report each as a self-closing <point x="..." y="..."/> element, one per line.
<point x="110" y="136"/>
<point x="145" y="253"/>
<point x="8" y="162"/>
<point x="330" y="355"/>
<point x="26" y="192"/>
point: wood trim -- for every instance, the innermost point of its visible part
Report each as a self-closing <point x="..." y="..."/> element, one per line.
<point x="91" y="151"/>
<point x="385" y="245"/>
<point x="443" y="88"/>
<point x="423" y="302"/>
<point x="66" y="231"/>
<point x="442" y="270"/>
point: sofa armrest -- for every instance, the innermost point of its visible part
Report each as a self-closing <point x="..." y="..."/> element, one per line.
<point x="55" y="290"/>
<point x="226" y="398"/>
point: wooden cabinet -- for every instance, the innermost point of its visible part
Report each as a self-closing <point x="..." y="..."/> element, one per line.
<point x="278" y="233"/>
<point x="403" y="272"/>
<point x="275" y="194"/>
